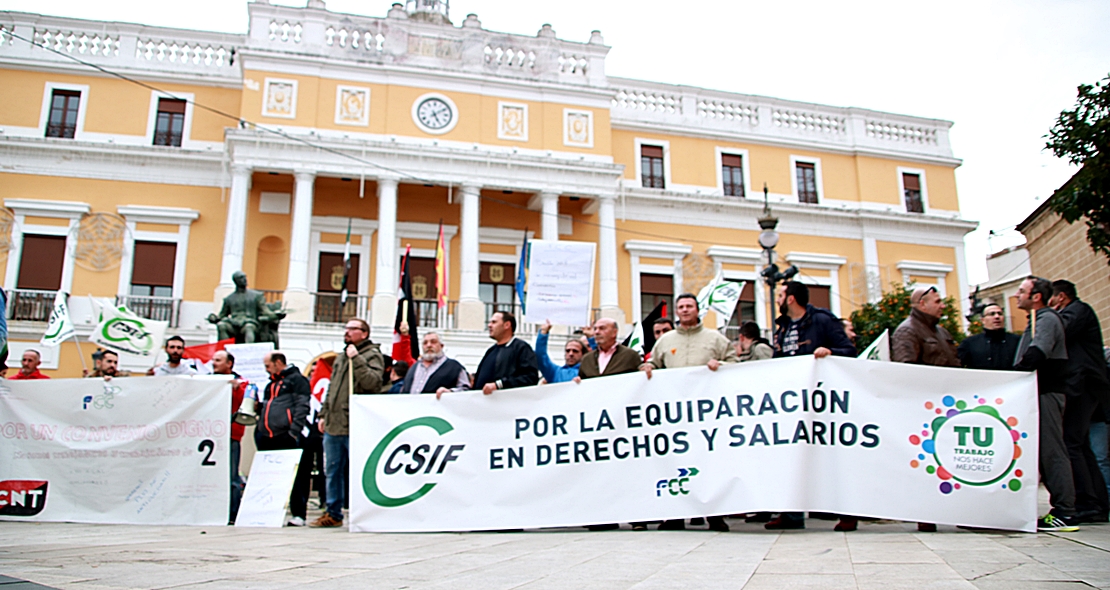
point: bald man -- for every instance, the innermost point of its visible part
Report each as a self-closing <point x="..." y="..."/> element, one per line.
<point x="29" y="368"/>
<point x="610" y="358"/>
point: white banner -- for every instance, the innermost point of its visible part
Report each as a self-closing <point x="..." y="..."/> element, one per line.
<point x="885" y="440"/>
<point x="141" y="450"/>
<point x="560" y="282"/>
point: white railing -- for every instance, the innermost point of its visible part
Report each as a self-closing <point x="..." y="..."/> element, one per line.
<point x="905" y="133"/>
<point x="286" y="31"/>
<point x="6" y="35"/>
<point x="77" y="42"/>
<point x="354" y="38"/>
<point x="686" y="108"/>
<point x="809" y="121"/>
<point x="184" y="52"/>
<point x="509" y="57"/>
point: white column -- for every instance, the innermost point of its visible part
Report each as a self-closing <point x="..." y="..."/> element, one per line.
<point x="471" y="313"/>
<point x="607" y="255"/>
<point x="297" y="298"/>
<point x="384" y="306"/>
<point x="550" y="216"/>
<point x="236" y="224"/>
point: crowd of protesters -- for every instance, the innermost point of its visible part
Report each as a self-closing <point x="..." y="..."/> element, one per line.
<point x="1062" y="344"/>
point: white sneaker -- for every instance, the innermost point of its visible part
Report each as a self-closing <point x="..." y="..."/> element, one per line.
<point x="295" y="521"/>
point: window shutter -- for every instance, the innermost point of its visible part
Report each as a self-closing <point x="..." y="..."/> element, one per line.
<point x="154" y="264"/>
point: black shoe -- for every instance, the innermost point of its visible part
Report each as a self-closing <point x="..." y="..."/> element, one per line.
<point x="926" y="527"/>
<point x="697" y="521"/>
<point x="604" y="527"/>
<point x="1089" y="516"/>
<point x="782" y="524"/>
<point x="824" y="515"/>
<point x="759" y="517"/>
<point x="717" y="523"/>
<point x="672" y="525"/>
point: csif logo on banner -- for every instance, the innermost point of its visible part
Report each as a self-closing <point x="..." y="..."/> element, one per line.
<point x="407" y="461"/>
<point x="19" y="497"/>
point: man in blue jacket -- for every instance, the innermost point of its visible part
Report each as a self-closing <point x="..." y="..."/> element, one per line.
<point x="572" y="354"/>
<point x="804" y="329"/>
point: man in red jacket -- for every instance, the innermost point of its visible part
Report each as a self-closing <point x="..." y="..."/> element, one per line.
<point x="30" y="366"/>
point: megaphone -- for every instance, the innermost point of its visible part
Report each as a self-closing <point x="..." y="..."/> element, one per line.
<point x="246" y="415"/>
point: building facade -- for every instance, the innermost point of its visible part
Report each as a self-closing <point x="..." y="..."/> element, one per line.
<point x="145" y="165"/>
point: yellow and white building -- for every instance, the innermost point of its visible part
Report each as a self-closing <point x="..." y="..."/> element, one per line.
<point x="127" y="174"/>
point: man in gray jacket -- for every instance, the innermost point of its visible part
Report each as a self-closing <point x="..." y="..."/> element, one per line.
<point x="360" y="363"/>
<point x="1044" y="350"/>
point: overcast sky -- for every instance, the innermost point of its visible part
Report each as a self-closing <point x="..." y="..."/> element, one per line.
<point x="1000" y="70"/>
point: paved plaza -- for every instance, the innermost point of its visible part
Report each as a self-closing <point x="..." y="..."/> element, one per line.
<point x="881" y="555"/>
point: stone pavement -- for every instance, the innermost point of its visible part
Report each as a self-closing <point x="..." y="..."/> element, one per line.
<point x="881" y="555"/>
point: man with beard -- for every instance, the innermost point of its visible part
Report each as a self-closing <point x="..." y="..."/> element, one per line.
<point x="434" y="372"/>
<point x="994" y="348"/>
<point x="175" y="347"/>
<point x="106" y="365"/>
<point x="362" y="359"/>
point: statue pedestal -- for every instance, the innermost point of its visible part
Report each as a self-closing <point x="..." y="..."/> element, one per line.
<point x="470" y="315"/>
<point x="299" y="306"/>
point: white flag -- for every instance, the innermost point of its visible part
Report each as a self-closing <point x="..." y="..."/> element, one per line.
<point x="636" y="341"/>
<point x="721" y="296"/>
<point x="60" y="327"/>
<point x="123" y="331"/>
<point x="879" y="349"/>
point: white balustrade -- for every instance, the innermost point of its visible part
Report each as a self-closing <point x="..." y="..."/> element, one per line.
<point x="573" y="64"/>
<point x="6" y="35"/>
<point x="904" y="133"/>
<point x="285" y="31"/>
<point x="183" y="52"/>
<point x="77" y="42"/>
<point x="646" y="100"/>
<point x="354" y="38"/>
<point x="809" y="121"/>
<point x="510" y="57"/>
<point x="727" y="110"/>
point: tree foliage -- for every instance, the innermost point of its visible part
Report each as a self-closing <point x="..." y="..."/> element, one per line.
<point x="870" y="320"/>
<point x="1082" y="137"/>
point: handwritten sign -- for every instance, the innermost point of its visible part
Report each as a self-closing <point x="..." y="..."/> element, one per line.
<point x="248" y="360"/>
<point x="268" y="488"/>
<point x="560" y="282"/>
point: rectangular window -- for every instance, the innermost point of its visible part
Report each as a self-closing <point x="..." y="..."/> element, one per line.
<point x="63" y="114"/>
<point x="651" y="166"/>
<point x="911" y="185"/>
<point x="497" y="286"/>
<point x="732" y="175"/>
<point x="41" y="262"/>
<point x="820" y="296"/>
<point x="170" y="125"/>
<point x="152" y="269"/>
<point x="807" y="182"/>
<point x="653" y="289"/>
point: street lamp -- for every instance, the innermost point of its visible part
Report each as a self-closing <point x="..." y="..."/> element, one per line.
<point x="768" y="239"/>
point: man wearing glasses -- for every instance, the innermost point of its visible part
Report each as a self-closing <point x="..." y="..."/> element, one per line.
<point x="363" y="360"/>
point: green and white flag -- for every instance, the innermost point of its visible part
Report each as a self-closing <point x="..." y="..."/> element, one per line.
<point x="123" y="331"/>
<point x="721" y="296"/>
<point x="60" y="327"/>
<point x="636" y="340"/>
<point x="879" y="349"/>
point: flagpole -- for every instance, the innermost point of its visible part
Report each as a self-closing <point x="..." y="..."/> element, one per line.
<point x="80" y="353"/>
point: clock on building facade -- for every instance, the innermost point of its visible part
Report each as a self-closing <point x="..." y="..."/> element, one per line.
<point x="434" y="113"/>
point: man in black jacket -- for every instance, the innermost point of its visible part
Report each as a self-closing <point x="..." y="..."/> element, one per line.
<point x="433" y="372"/>
<point x="802" y="330"/>
<point x="510" y="362"/>
<point x="1087" y="386"/>
<point x="994" y="348"/>
<point x="282" y="420"/>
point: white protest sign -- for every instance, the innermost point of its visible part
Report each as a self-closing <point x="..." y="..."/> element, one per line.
<point x="560" y="282"/>
<point x="144" y="450"/>
<point x="884" y="440"/>
<point x="248" y="361"/>
<point x="268" y="488"/>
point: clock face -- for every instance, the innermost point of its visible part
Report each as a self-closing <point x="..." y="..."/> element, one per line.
<point x="434" y="113"/>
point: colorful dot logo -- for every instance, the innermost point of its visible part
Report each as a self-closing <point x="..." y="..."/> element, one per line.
<point x="969" y="443"/>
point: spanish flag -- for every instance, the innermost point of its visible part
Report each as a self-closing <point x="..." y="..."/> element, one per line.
<point x="441" y="271"/>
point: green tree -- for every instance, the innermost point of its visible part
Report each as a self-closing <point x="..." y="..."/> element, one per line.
<point x="870" y="320"/>
<point x="1081" y="136"/>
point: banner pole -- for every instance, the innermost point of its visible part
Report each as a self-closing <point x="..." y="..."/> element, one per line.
<point x="80" y="353"/>
<point x="350" y="374"/>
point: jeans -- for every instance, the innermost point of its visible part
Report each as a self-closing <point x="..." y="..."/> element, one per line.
<point x="1090" y="488"/>
<point x="237" y="484"/>
<point x="336" y="454"/>
<point x="1100" y="446"/>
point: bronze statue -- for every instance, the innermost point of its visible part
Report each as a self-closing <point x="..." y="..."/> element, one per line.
<point x="245" y="315"/>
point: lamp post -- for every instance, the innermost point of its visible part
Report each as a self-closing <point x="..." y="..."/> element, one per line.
<point x="768" y="239"/>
